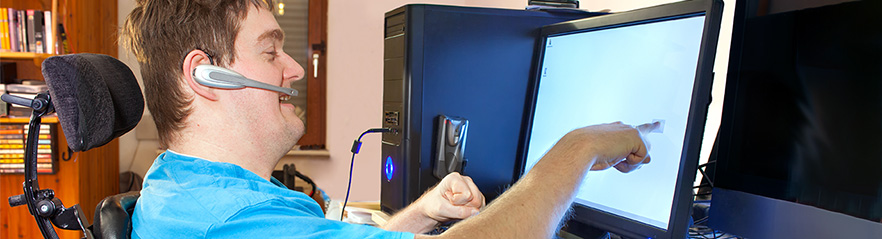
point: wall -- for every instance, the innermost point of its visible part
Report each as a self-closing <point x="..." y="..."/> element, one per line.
<point x="137" y="149"/>
<point x="355" y="63"/>
<point x="355" y="91"/>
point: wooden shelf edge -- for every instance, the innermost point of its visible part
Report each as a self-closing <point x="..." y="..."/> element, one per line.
<point x="24" y="55"/>
<point x="37" y="58"/>
<point x="25" y="120"/>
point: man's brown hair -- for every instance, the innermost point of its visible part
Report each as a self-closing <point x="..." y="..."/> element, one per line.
<point x="161" y="32"/>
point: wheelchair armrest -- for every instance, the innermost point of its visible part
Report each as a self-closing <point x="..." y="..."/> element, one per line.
<point x="113" y="216"/>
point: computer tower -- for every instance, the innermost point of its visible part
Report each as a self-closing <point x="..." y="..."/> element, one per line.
<point x="464" y="62"/>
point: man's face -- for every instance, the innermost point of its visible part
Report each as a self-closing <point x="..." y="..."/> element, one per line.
<point x="259" y="56"/>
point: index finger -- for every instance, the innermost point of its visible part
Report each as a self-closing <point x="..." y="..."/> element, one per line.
<point x="655" y="127"/>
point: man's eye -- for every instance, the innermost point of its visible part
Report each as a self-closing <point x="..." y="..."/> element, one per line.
<point x="272" y="54"/>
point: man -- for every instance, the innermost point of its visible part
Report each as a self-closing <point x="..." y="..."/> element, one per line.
<point x="214" y="180"/>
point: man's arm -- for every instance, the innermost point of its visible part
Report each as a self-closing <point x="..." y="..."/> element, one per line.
<point x="455" y="197"/>
<point x="534" y="206"/>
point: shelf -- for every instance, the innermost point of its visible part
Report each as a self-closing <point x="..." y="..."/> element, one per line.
<point x="24" y="55"/>
<point x="36" y="57"/>
<point x="25" y="120"/>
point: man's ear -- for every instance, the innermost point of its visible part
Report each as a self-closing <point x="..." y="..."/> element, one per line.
<point x="193" y="59"/>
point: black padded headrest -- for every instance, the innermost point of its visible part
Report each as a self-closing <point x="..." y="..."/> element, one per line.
<point x="96" y="96"/>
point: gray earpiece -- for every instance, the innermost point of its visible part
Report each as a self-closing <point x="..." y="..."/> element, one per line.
<point x="219" y="77"/>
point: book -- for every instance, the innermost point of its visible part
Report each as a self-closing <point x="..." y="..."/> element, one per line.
<point x="3" y="105"/>
<point x="42" y="127"/>
<point x="4" y="25"/>
<point x="32" y="82"/>
<point x="22" y="88"/>
<point x="12" y="136"/>
<point x="19" y="112"/>
<point x="39" y="30"/>
<point x="11" y="141"/>
<point x="49" y="34"/>
<point x="4" y="29"/>
<point x="8" y="28"/>
<point x="13" y="29"/>
<point x="32" y="41"/>
<point x="22" y="30"/>
<point x="17" y="20"/>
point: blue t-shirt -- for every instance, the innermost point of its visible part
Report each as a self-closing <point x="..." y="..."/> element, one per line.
<point x="189" y="197"/>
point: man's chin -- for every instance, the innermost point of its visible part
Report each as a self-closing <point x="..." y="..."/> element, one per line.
<point x="289" y="140"/>
<point x="297" y="130"/>
<point x="297" y="137"/>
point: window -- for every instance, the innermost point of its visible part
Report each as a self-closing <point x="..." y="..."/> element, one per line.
<point x="305" y="26"/>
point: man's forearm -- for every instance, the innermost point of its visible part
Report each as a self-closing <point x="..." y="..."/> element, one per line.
<point x="534" y="206"/>
<point x="455" y="197"/>
<point x="410" y="219"/>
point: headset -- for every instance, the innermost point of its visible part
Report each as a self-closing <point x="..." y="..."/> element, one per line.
<point x="219" y="77"/>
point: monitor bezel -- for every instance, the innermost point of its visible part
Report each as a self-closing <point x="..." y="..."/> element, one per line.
<point x="679" y="221"/>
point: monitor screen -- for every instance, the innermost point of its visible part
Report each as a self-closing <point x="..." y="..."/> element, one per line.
<point x="636" y="72"/>
<point x="646" y="75"/>
<point x="801" y="139"/>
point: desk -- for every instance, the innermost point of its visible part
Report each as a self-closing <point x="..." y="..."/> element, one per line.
<point x="362" y="212"/>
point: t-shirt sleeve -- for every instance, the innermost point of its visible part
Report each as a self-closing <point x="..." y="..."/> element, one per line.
<point x="275" y="219"/>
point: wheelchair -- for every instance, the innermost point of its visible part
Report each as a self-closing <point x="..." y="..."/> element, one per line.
<point x="82" y="87"/>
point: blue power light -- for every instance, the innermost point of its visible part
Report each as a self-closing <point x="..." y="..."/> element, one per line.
<point x="389" y="169"/>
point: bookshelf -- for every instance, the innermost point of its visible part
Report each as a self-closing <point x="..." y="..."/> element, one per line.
<point x="89" y="176"/>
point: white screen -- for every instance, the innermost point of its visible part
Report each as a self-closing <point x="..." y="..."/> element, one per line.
<point x="634" y="74"/>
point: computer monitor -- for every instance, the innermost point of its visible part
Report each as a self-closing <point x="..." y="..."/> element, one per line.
<point x="800" y="141"/>
<point x="651" y="64"/>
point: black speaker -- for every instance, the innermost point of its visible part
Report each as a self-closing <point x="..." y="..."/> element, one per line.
<point x="460" y="62"/>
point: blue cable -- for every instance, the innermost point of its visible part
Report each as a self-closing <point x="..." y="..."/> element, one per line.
<point x="356" y="146"/>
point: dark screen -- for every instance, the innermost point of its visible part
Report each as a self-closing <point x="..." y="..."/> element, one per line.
<point x="806" y="123"/>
